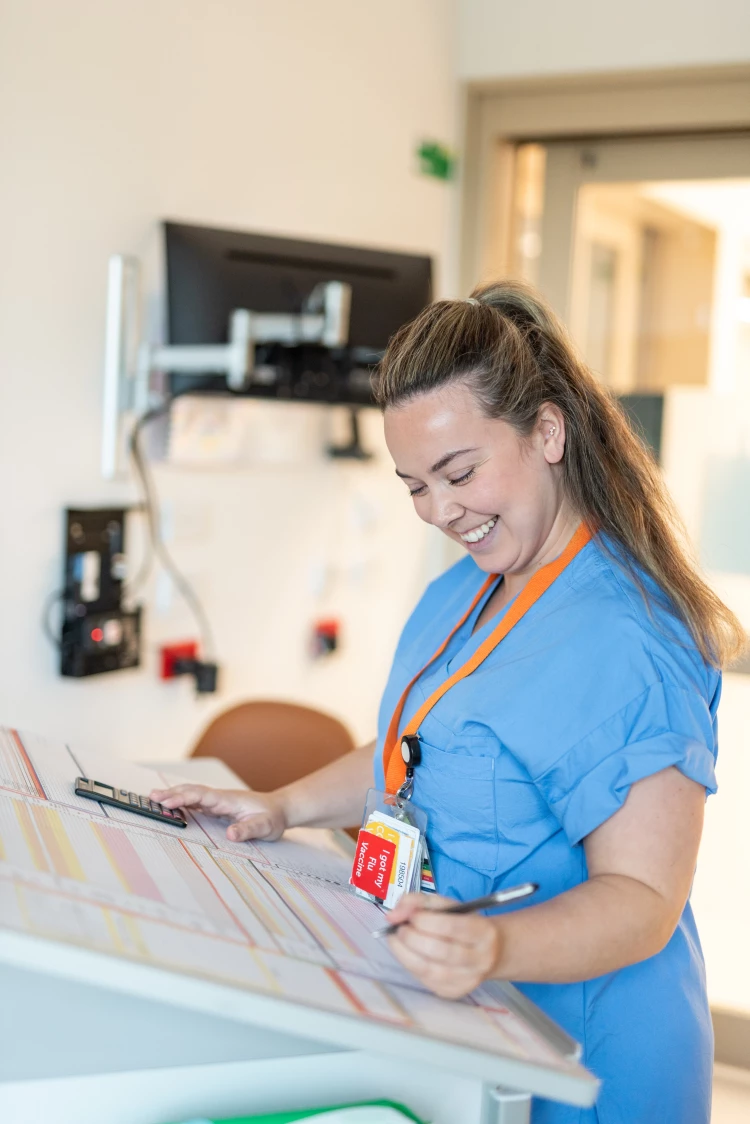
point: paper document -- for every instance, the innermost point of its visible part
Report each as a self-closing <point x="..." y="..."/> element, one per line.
<point x="279" y="918"/>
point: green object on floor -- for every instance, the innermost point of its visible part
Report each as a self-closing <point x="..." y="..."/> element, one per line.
<point x="306" y="1114"/>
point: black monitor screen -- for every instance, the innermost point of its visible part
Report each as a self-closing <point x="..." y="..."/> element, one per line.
<point x="212" y="272"/>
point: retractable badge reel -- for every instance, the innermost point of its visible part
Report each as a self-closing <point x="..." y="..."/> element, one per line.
<point x="391" y="858"/>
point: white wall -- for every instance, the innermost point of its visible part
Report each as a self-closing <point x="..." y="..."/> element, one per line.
<point x="507" y="39"/>
<point x="286" y="117"/>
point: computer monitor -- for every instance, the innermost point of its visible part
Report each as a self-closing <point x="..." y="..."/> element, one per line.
<point x="211" y="272"/>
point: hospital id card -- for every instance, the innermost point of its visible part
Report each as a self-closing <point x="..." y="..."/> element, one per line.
<point x="390" y="848"/>
<point x="407" y="840"/>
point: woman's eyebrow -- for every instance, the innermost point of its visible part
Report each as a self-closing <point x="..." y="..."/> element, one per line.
<point x="441" y="463"/>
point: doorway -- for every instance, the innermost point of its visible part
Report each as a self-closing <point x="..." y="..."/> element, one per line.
<point x="642" y="245"/>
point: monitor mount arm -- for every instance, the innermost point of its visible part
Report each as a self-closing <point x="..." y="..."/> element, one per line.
<point x="324" y="321"/>
<point x="128" y="366"/>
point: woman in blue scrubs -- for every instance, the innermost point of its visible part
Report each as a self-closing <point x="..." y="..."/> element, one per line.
<point x="578" y="754"/>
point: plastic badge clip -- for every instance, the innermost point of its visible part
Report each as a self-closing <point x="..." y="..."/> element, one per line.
<point x="411" y="752"/>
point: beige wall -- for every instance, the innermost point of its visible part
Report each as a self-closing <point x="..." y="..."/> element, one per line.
<point x="287" y="117"/>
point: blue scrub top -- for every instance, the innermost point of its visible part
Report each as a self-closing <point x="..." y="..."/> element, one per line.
<point x="589" y="693"/>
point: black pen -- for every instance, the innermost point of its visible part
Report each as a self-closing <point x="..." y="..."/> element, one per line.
<point x="500" y="897"/>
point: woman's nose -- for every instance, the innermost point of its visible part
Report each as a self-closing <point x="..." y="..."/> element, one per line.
<point x="445" y="511"/>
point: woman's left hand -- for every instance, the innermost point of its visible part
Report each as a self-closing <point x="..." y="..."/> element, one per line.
<point x="451" y="954"/>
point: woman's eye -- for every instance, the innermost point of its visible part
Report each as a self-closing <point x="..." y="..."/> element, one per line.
<point x="418" y="491"/>
<point x="465" y="478"/>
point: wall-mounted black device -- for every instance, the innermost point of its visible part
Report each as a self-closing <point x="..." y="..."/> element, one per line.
<point x="98" y="635"/>
<point x="212" y="272"/>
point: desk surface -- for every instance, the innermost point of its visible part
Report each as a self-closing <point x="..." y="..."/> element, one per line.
<point x="202" y="770"/>
<point x="153" y="942"/>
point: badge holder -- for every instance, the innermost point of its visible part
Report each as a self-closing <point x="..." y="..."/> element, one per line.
<point x="391" y="856"/>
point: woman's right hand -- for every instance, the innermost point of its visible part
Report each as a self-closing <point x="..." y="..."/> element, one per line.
<point x="256" y="815"/>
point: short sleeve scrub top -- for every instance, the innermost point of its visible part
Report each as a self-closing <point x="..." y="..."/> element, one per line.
<point x="590" y="692"/>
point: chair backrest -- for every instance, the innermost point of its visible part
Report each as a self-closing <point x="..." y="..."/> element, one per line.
<point x="270" y="744"/>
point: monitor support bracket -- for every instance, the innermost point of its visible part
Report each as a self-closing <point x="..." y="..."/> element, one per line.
<point x="129" y="364"/>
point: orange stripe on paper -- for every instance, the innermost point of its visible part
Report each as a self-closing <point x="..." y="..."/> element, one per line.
<point x="346" y="990"/>
<point x="31" y="837"/>
<point x="33" y="776"/>
<point x="325" y="917"/>
<point x="136" y="936"/>
<point x="117" y="940"/>
<point x="59" y="848"/>
<point x="213" y="888"/>
<point x="252" y="899"/>
<point x="126" y="862"/>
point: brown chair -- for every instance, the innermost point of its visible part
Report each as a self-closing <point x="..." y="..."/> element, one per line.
<point x="270" y="744"/>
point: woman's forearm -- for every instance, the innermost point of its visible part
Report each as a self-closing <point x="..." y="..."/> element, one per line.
<point x="600" y="926"/>
<point x="334" y="795"/>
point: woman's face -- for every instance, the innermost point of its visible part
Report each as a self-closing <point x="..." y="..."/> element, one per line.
<point x="497" y="494"/>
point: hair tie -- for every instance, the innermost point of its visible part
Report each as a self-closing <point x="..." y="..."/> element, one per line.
<point x="472" y="300"/>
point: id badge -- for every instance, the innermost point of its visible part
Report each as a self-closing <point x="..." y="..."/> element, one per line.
<point x="390" y="853"/>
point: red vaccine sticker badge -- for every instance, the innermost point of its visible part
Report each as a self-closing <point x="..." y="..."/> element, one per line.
<point x="373" y="863"/>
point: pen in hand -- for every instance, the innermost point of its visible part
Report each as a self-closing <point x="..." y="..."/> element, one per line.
<point x="500" y="897"/>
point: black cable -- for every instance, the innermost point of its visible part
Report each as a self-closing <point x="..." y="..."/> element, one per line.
<point x="158" y="548"/>
<point x="50" y="601"/>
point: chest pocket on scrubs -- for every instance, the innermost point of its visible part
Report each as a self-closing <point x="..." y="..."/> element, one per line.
<point x="457" y="790"/>
<point x="519" y="803"/>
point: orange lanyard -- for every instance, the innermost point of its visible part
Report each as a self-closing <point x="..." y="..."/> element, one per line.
<point x="394" y="765"/>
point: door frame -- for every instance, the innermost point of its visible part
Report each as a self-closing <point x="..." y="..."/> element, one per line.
<point x="498" y="116"/>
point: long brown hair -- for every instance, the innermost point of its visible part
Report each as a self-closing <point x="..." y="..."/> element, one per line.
<point x="510" y="349"/>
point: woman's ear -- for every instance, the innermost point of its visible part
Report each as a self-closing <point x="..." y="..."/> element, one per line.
<point x="551" y="430"/>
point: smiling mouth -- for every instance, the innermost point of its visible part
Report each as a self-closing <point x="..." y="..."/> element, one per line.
<point x="478" y="533"/>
